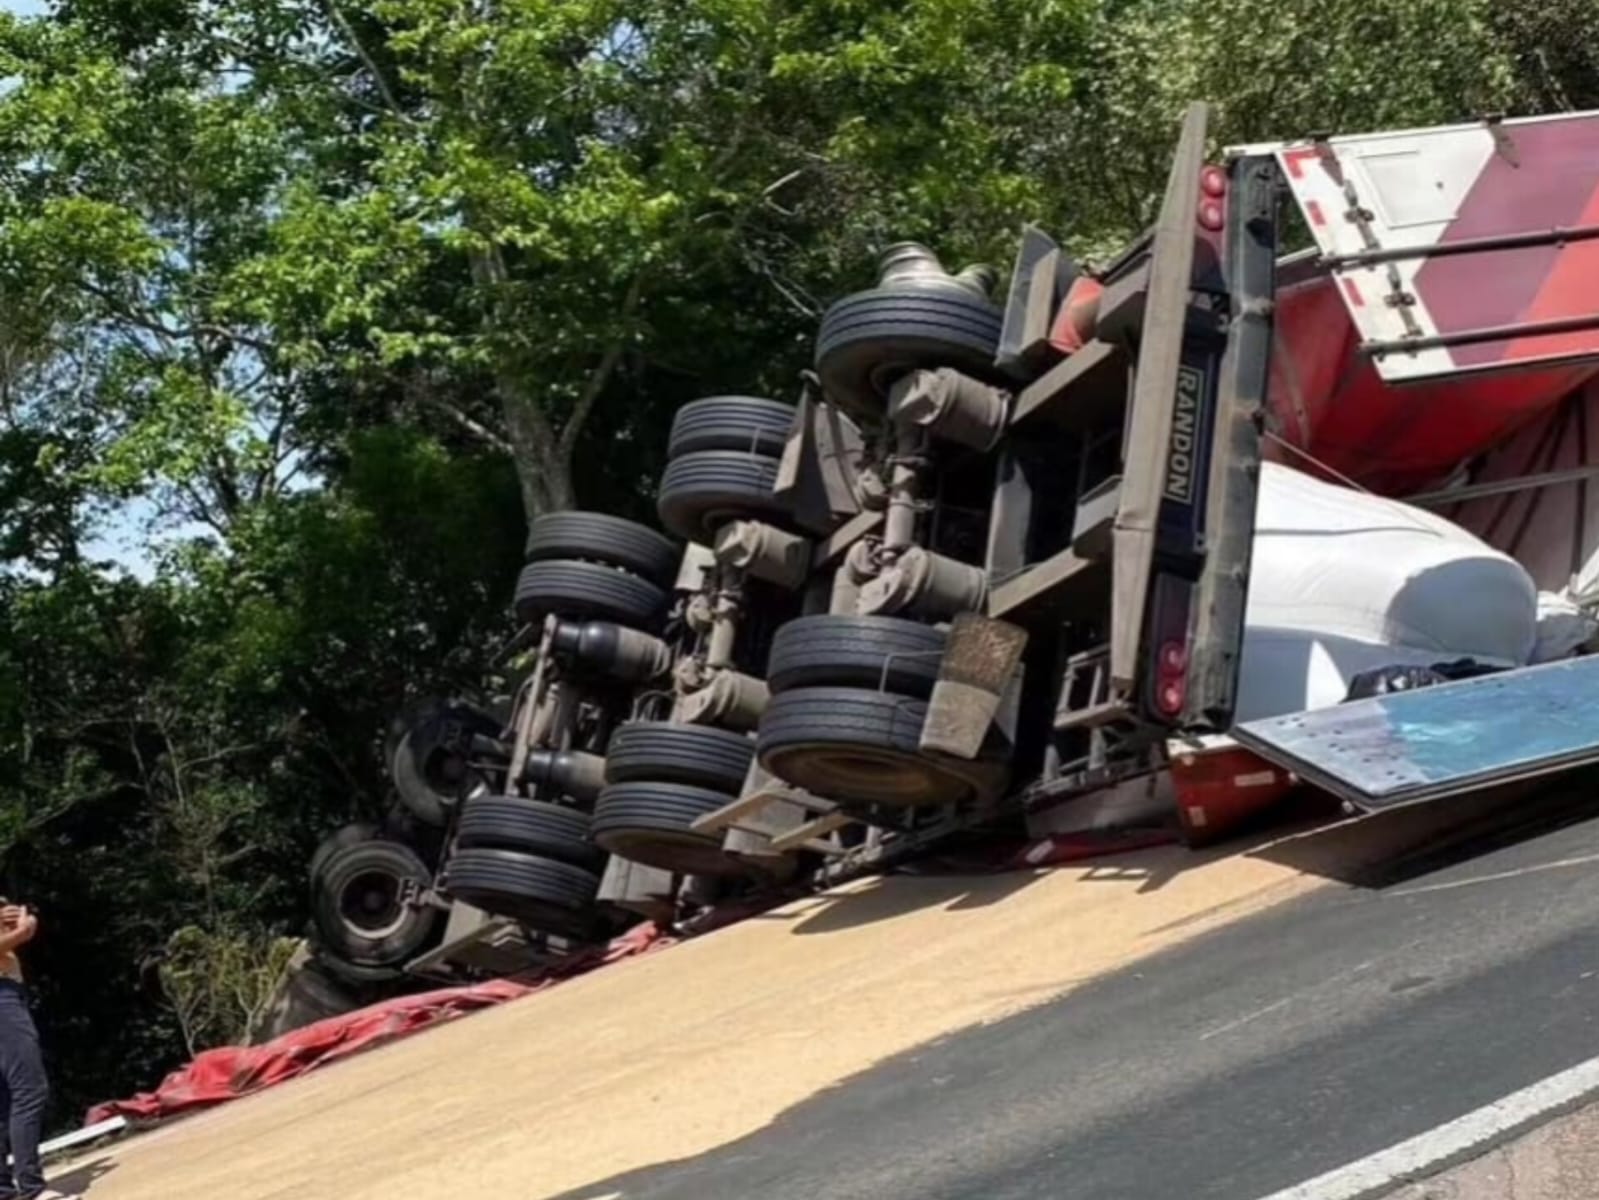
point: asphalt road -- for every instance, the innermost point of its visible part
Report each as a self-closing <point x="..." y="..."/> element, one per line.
<point x="1241" y="1063"/>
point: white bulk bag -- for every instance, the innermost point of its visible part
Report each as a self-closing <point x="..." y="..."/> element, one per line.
<point x="1344" y="581"/>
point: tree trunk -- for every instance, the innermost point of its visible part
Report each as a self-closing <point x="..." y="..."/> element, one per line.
<point x="543" y="455"/>
<point x="545" y="477"/>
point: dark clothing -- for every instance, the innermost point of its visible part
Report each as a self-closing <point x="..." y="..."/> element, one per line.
<point x="23" y="1094"/>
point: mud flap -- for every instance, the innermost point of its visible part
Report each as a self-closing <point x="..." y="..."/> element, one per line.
<point x="974" y="677"/>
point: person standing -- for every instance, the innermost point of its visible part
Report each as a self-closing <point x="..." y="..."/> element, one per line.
<point x="22" y="1080"/>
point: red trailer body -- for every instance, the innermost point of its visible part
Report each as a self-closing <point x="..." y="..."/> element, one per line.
<point x="1452" y="296"/>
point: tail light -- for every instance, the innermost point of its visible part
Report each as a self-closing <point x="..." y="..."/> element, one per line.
<point x="1171" y="678"/>
<point x="1168" y="636"/>
<point x="1212" y="212"/>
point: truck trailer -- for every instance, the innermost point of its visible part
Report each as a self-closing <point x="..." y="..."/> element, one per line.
<point x="995" y="559"/>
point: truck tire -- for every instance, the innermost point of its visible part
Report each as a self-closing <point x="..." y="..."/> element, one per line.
<point x="401" y="825"/>
<point x="878" y="653"/>
<point x="345" y="971"/>
<point x="854" y="746"/>
<point x="553" y="897"/>
<point x="358" y="911"/>
<point x="431" y="767"/>
<point x="352" y="834"/>
<point x="602" y="538"/>
<point x="649" y="823"/>
<point x="355" y="975"/>
<point x="665" y="752"/>
<point x="402" y="722"/>
<point x="571" y="588"/>
<point x="532" y="826"/>
<point x="744" y="423"/>
<point x="868" y="340"/>
<point x="701" y="492"/>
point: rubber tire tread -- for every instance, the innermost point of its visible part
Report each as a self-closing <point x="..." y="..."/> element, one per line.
<point x="745" y="423"/>
<point x="905" y="328"/>
<point x="699" y="492"/>
<point x="833" y="650"/>
<point x="526" y="877"/>
<point x="354" y="974"/>
<point x="341" y="867"/>
<point x="670" y="807"/>
<point x="667" y="752"/>
<point x="352" y="834"/>
<point x="554" y="831"/>
<point x="407" y="766"/>
<point x="843" y="717"/>
<point x="570" y="588"/>
<point x="602" y="538"/>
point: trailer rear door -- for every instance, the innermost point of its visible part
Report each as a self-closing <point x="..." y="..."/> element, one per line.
<point x="1460" y="249"/>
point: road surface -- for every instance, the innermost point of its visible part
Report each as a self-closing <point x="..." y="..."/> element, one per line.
<point x="1279" y="1049"/>
<point x="1154" y="1024"/>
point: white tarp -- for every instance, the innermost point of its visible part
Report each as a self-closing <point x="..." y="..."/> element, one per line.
<point x="1552" y="531"/>
<point x="1344" y="582"/>
<point x="1564" y="627"/>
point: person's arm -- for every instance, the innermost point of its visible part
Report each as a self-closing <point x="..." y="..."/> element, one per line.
<point x="17" y="927"/>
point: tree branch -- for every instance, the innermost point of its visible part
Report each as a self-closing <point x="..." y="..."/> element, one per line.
<point x="266" y="479"/>
<point x="217" y="756"/>
<point x="419" y="389"/>
<point x="200" y="510"/>
<point x="348" y="30"/>
<point x="120" y="308"/>
<point x="525" y="418"/>
<point x="597" y="380"/>
<point x="473" y="426"/>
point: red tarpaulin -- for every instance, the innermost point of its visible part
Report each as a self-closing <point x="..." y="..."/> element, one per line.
<point x="226" y="1073"/>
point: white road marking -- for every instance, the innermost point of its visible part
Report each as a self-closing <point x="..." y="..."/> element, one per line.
<point x="1456" y="1141"/>
<point x="1244" y="1020"/>
<point x="1559" y="863"/>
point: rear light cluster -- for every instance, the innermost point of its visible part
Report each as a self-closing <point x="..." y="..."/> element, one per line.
<point x="1212" y="198"/>
<point x="1169" y="645"/>
<point x="1171" y="678"/>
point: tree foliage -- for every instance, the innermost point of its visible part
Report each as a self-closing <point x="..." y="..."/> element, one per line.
<point x="323" y="299"/>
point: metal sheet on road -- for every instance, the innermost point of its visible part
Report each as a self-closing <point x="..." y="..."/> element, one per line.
<point x="1413" y="746"/>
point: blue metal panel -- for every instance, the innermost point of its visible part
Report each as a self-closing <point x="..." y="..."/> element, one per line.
<point x="1457" y="737"/>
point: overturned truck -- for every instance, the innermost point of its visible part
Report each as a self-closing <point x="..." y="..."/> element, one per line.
<point x="996" y="559"/>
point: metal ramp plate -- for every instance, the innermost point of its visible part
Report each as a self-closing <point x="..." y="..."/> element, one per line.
<point x="1409" y="747"/>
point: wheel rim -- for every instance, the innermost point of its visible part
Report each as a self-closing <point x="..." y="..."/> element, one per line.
<point x="370" y="904"/>
<point x="876" y="775"/>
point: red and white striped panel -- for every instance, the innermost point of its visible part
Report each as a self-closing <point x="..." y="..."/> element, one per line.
<point x="1430" y="187"/>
